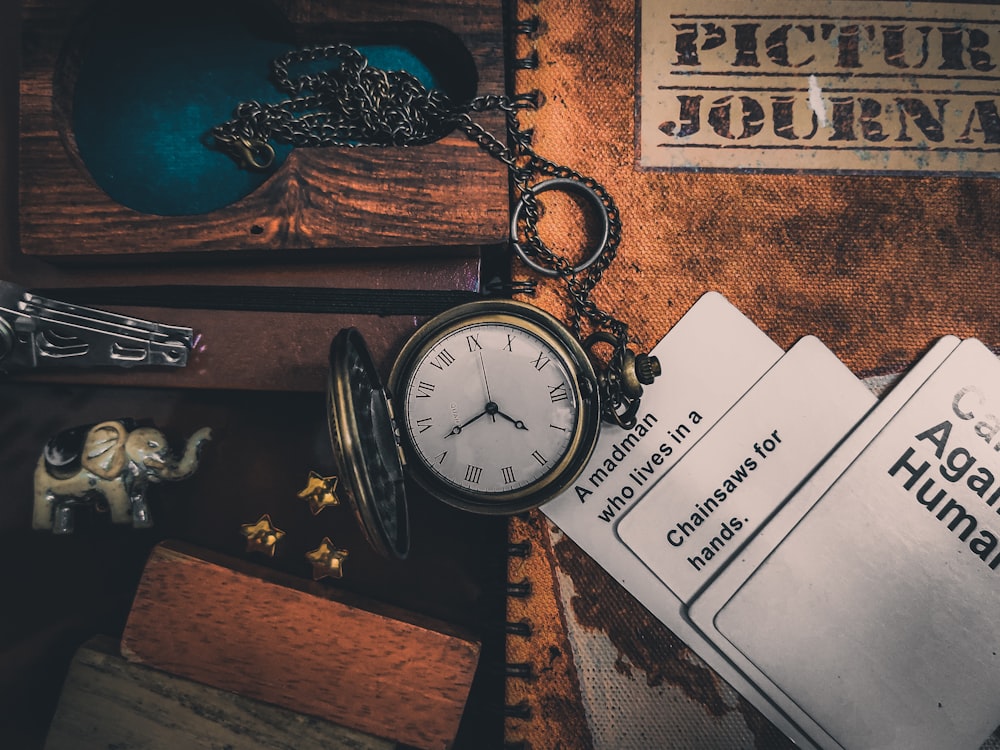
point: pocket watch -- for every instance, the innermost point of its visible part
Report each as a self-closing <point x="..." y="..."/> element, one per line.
<point x="492" y="407"/>
<point x="499" y="406"/>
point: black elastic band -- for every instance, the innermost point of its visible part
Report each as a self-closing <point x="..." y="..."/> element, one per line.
<point x="296" y="299"/>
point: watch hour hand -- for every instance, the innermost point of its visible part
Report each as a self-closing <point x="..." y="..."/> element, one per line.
<point x="517" y="422"/>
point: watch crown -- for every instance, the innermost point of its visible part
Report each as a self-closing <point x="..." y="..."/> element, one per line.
<point x="639" y="370"/>
<point x="647" y="368"/>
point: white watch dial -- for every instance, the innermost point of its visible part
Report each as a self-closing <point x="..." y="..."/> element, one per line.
<point x="491" y="408"/>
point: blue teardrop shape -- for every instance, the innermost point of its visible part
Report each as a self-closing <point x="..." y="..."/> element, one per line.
<point x="151" y="84"/>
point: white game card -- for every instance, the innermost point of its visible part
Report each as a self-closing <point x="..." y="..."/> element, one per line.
<point x="868" y="609"/>
<point x="688" y="526"/>
<point x="710" y="358"/>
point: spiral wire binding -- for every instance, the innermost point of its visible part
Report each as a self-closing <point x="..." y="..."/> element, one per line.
<point x="519" y="549"/>
<point x="522" y="628"/>
<point x="522" y="27"/>
<point x="530" y="62"/>
<point x="521" y="670"/>
<point x="527" y="26"/>
<point x="519" y="629"/>
<point x="520" y="710"/>
<point x="520" y="589"/>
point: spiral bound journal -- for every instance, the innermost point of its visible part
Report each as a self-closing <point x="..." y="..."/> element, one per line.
<point x="831" y="169"/>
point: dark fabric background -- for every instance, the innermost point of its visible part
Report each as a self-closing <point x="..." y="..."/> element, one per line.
<point x="57" y="592"/>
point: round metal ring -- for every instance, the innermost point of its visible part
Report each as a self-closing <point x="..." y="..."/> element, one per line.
<point x="569" y="186"/>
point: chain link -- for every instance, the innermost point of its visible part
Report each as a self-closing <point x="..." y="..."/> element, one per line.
<point x="352" y="104"/>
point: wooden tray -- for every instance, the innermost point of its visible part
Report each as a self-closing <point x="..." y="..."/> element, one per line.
<point x="109" y="702"/>
<point x="447" y="193"/>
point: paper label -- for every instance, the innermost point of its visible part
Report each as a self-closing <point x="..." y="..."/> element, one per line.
<point x="825" y="85"/>
<point x="698" y="516"/>
<point x="887" y="587"/>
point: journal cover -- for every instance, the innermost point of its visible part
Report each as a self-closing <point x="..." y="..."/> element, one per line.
<point x="831" y="169"/>
<point x="876" y="263"/>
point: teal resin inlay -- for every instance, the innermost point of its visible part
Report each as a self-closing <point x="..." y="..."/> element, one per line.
<point x="152" y="84"/>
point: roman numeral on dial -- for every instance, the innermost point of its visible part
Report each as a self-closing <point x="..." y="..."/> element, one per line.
<point x="558" y="393"/>
<point x="442" y="359"/>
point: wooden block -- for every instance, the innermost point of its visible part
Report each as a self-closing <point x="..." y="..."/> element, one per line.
<point x="107" y="702"/>
<point x="365" y="666"/>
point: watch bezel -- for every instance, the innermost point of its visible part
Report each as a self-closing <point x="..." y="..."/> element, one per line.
<point x="583" y="378"/>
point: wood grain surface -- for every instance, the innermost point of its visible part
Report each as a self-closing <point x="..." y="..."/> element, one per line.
<point x="445" y="193"/>
<point x="107" y="702"/>
<point x="218" y="622"/>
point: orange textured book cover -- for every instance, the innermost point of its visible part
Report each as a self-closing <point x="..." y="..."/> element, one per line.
<point x="831" y="169"/>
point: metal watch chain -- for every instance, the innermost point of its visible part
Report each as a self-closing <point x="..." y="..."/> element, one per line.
<point x="354" y="105"/>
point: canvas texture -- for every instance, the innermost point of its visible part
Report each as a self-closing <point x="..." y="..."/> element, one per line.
<point x="876" y="266"/>
<point x="605" y="672"/>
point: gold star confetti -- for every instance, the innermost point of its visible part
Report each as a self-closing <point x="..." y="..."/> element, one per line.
<point x="262" y="536"/>
<point x="319" y="492"/>
<point x="327" y="560"/>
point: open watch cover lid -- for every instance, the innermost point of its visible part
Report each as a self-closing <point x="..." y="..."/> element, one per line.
<point x="365" y="444"/>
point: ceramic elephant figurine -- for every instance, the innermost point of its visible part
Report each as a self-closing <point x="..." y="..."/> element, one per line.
<point x="109" y="463"/>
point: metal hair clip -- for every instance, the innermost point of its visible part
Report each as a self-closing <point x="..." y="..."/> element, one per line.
<point x="38" y="332"/>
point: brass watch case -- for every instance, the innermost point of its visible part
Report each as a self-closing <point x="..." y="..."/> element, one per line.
<point x="547" y="328"/>
<point x="365" y="445"/>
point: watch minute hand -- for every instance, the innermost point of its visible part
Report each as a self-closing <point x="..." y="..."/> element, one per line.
<point x="459" y="427"/>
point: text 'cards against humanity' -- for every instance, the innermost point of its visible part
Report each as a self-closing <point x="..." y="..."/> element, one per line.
<point x="875" y="611"/>
<point x="726" y="487"/>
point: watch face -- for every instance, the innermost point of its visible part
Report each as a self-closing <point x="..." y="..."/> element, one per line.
<point x="492" y="408"/>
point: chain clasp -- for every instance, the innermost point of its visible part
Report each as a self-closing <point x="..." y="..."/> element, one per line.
<point x="250" y="153"/>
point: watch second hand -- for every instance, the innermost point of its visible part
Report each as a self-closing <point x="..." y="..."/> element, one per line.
<point x="486" y="382"/>
<point x="492" y="408"/>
